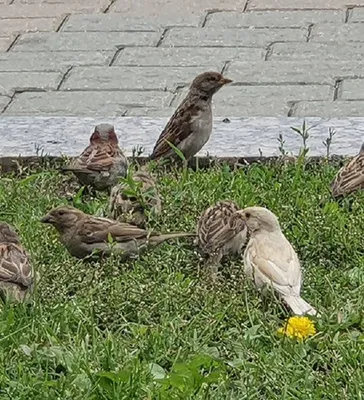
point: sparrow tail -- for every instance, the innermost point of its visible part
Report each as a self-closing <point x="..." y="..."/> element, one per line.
<point x="174" y="235"/>
<point x="299" y="306"/>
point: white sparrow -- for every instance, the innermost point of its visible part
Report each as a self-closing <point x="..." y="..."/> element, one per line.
<point x="190" y="126"/>
<point x="129" y="200"/>
<point x="220" y="231"/>
<point x="102" y="163"/>
<point x="16" y="275"/>
<point x="350" y="177"/>
<point x="82" y="234"/>
<point x="270" y="260"/>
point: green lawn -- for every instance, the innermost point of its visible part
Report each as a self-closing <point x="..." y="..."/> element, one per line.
<point x="154" y="329"/>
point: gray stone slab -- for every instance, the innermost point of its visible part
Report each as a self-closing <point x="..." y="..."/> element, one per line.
<point x="51" y="10"/>
<point x="241" y="137"/>
<point x="329" y="109"/>
<point x="352" y="89"/>
<point x="357" y="15"/>
<point x="236" y="98"/>
<point x="299" y="5"/>
<point x="84" y="41"/>
<point x="273" y="18"/>
<point x="317" y="51"/>
<point x="22" y="25"/>
<point x="116" y="23"/>
<point x="131" y="78"/>
<point x="52" y="61"/>
<point x="337" y="33"/>
<point x="85" y="103"/>
<point x="4" y="100"/>
<point x="10" y="81"/>
<point x="186" y="56"/>
<point x="219" y="37"/>
<point x="5" y="43"/>
<point x="150" y="112"/>
<point x="277" y="71"/>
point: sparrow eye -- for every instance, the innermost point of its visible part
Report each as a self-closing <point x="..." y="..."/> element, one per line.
<point x="60" y="212"/>
<point x="247" y="215"/>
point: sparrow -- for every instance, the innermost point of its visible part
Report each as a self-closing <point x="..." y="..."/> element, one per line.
<point x="82" y="234"/>
<point x="16" y="275"/>
<point x="220" y="231"/>
<point x="350" y="177"/>
<point x="102" y="163"/>
<point x="129" y="200"/>
<point x="190" y="126"/>
<point x="270" y="260"/>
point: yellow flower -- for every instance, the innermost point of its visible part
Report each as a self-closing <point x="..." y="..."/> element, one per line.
<point x="298" y="327"/>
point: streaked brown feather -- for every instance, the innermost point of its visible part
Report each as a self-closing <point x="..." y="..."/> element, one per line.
<point x="350" y="178"/>
<point x="216" y="226"/>
<point x="178" y="127"/>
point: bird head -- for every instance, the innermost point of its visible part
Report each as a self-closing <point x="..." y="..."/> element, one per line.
<point x="259" y="218"/>
<point x="209" y="82"/>
<point x="63" y="217"/>
<point x="104" y="133"/>
<point x="7" y="234"/>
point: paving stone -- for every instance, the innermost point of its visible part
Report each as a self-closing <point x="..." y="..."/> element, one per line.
<point x="10" y="81"/>
<point x="317" y="51"/>
<point x="273" y="18"/>
<point x="158" y="8"/>
<point x="185" y="56"/>
<point x="19" y="25"/>
<point x="130" y="78"/>
<point x="50" y="10"/>
<point x="277" y="71"/>
<point x="356" y="15"/>
<point x="4" y="100"/>
<point x="301" y="5"/>
<point x="150" y="112"/>
<point x="337" y="33"/>
<point x="329" y="109"/>
<point x="210" y="37"/>
<point x="352" y="89"/>
<point x="55" y="61"/>
<point x="5" y="42"/>
<point x="85" y="103"/>
<point x="84" y="41"/>
<point x="113" y="23"/>
<point x="264" y="100"/>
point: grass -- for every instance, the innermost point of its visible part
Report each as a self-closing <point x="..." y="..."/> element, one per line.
<point x="154" y="329"/>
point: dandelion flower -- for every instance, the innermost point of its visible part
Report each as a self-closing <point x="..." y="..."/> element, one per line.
<point x="298" y="327"/>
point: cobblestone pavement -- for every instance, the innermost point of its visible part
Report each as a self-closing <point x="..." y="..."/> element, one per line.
<point x="136" y="58"/>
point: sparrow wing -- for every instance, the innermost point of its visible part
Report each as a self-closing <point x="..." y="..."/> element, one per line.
<point x="178" y="128"/>
<point x="350" y="177"/>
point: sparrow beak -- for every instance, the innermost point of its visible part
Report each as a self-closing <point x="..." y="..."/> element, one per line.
<point x="225" y="81"/>
<point x="48" y="219"/>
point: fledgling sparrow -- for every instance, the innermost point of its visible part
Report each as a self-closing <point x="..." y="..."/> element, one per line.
<point x="82" y="234"/>
<point x="220" y="232"/>
<point x="270" y="260"/>
<point x="190" y="126"/>
<point x="102" y="163"/>
<point x="129" y="201"/>
<point x="16" y="275"/>
<point x="350" y="177"/>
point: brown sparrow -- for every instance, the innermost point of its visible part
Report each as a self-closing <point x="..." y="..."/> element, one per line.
<point x="82" y="234"/>
<point x="220" y="232"/>
<point x="16" y="275"/>
<point x="190" y="126"/>
<point x="350" y="177"/>
<point x="270" y="260"/>
<point x="102" y="163"/>
<point x="129" y="200"/>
